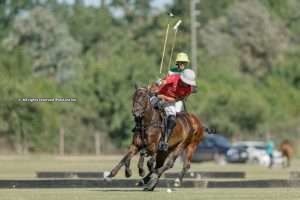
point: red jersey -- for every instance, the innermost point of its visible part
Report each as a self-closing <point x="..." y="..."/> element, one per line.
<point x="172" y="87"/>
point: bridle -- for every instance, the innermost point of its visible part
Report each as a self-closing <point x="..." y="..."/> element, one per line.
<point x="141" y="102"/>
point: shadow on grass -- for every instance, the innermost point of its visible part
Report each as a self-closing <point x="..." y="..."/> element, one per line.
<point x="119" y="190"/>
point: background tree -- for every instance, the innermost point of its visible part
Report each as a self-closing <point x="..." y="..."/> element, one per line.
<point x="54" y="52"/>
<point x="248" y="73"/>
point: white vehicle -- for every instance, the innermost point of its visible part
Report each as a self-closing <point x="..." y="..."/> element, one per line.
<point x="257" y="153"/>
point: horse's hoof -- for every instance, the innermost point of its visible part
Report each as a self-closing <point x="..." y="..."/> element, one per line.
<point x="148" y="189"/>
<point x="152" y="183"/>
<point x="141" y="172"/>
<point x="128" y="173"/>
<point x="107" y="176"/>
<point x="140" y="183"/>
<point x="177" y="182"/>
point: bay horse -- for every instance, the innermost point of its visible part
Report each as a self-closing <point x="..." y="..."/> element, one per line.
<point x="151" y="127"/>
<point x="287" y="151"/>
<point x="185" y="137"/>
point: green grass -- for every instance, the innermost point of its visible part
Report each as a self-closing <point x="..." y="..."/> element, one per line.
<point x="180" y="194"/>
<point x="25" y="167"/>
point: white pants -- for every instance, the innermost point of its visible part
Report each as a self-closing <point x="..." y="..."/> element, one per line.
<point x="174" y="108"/>
<point x="179" y="106"/>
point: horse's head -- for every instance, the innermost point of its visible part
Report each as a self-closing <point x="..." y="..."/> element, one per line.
<point x="140" y="102"/>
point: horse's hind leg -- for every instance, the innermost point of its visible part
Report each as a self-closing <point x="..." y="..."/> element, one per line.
<point x="145" y="180"/>
<point x="154" y="163"/>
<point x="169" y="162"/>
<point x="187" y="161"/>
<point x="125" y="160"/>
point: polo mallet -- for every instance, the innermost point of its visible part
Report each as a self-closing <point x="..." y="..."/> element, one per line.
<point x="165" y="44"/>
<point x="175" y="28"/>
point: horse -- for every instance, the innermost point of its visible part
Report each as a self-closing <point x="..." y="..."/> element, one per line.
<point x="287" y="151"/>
<point x="150" y="120"/>
<point x="186" y="135"/>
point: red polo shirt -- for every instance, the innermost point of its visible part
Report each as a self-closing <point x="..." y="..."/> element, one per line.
<point x="173" y="88"/>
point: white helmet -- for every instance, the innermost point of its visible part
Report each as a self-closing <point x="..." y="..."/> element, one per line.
<point x="188" y="76"/>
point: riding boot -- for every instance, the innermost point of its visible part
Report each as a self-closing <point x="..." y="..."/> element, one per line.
<point x="171" y="123"/>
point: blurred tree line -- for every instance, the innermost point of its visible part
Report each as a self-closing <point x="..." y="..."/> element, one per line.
<point x="248" y="73"/>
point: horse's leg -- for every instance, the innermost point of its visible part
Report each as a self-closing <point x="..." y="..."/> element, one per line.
<point x="128" y="172"/>
<point x="131" y="152"/>
<point x="284" y="163"/>
<point x="141" y="165"/>
<point x="288" y="158"/>
<point x="144" y="180"/>
<point x="151" y="162"/>
<point x="169" y="162"/>
<point x="155" y="162"/>
<point x="187" y="161"/>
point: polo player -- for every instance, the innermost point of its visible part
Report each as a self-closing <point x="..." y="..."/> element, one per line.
<point x="174" y="88"/>
<point x="181" y="62"/>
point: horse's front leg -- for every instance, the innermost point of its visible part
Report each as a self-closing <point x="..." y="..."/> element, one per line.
<point x="151" y="162"/>
<point x="124" y="161"/>
<point x="151" y="167"/>
<point x="288" y="161"/>
<point x="141" y="164"/>
<point x="128" y="172"/>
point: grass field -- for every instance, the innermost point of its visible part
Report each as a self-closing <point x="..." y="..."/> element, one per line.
<point x="180" y="194"/>
<point x="14" y="167"/>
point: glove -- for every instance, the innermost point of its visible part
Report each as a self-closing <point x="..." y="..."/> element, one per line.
<point x="152" y="94"/>
<point x="158" y="81"/>
<point x="157" y="103"/>
<point x="161" y="104"/>
<point x="154" y="101"/>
